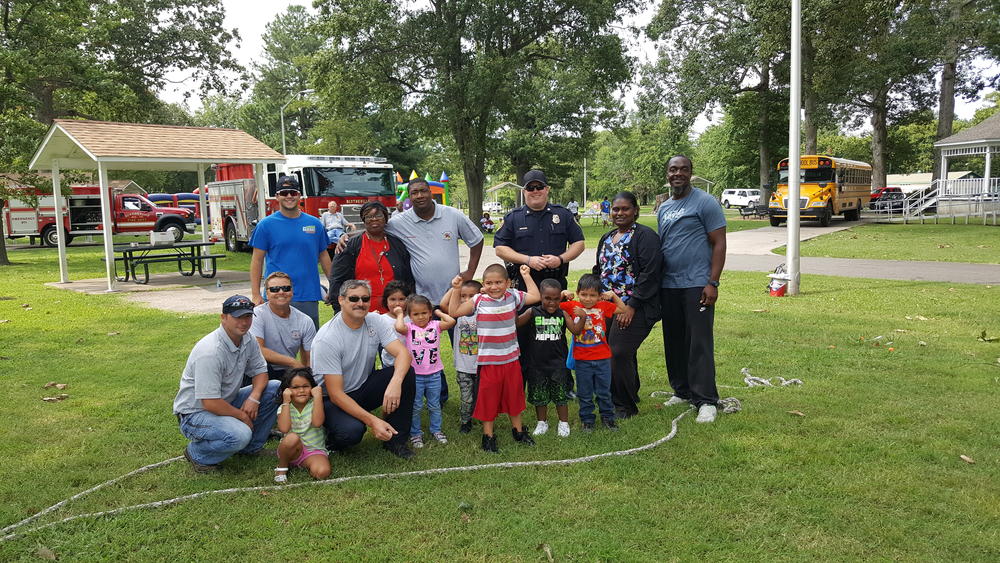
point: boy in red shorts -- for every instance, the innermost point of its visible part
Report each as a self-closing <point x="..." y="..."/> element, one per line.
<point x="501" y="388"/>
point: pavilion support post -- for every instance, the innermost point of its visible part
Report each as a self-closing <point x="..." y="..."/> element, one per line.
<point x="107" y="225"/>
<point x="260" y="181"/>
<point x="57" y="199"/>
<point x="203" y="211"/>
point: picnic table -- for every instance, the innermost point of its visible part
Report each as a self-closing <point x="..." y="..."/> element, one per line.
<point x="187" y="255"/>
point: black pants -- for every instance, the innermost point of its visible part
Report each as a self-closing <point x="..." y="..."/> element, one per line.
<point x="689" y="345"/>
<point x="625" y="362"/>
<point x="343" y="430"/>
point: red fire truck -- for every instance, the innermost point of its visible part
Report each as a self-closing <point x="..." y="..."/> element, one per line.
<point x="349" y="180"/>
<point x="131" y="214"/>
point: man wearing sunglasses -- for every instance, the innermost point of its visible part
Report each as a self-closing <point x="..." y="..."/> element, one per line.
<point x="343" y="363"/>
<point x="542" y="235"/>
<point x="285" y="334"/>
<point x="291" y="241"/>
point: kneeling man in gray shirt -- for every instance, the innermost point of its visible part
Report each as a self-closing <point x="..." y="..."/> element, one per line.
<point x="215" y="413"/>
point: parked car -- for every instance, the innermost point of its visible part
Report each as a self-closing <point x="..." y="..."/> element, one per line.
<point x="739" y="198"/>
<point x="890" y="202"/>
<point x="877" y="194"/>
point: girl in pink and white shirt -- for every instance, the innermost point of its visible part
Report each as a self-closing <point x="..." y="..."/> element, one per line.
<point x="422" y="334"/>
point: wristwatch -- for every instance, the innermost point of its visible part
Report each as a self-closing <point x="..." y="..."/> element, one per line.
<point x="713" y="283"/>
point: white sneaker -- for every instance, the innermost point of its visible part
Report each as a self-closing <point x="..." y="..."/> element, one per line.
<point x="541" y="428"/>
<point x="563" y="429"/>
<point x="706" y="413"/>
<point x="674" y="400"/>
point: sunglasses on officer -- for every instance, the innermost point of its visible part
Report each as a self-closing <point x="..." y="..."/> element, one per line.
<point x="534" y="187"/>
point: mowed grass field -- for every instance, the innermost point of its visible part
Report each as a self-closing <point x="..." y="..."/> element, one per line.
<point x="897" y="385"/>
<point x="895" y="241"/>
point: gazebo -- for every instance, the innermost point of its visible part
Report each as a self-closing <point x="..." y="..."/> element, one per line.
<point x="982" y="139"/>
<point x="103" y="146"/>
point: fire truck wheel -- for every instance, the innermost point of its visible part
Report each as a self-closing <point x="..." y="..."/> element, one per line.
<point x="50" y="237"/>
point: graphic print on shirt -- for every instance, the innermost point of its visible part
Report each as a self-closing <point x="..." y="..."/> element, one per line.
<point x="549" y="328"/>
<point x="425" y="341"/>
<point x="593" y="329"/>
<point x="468" y="339"/>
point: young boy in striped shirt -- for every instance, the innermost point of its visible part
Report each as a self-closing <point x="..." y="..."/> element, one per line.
<point x="501" y="389"/>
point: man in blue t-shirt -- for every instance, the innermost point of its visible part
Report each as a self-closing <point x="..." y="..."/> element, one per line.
<point x="692" y="231"/>
<point x="291" y="241"/>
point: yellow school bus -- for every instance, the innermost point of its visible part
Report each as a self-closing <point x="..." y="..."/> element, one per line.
<point x="828" y="186"/>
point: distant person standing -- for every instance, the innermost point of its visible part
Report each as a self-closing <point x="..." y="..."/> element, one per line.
<point x="605" y="212"/>
<point x="574" y="208"/>
<point x="692" y="233"/>
<point x="291" y="241"/>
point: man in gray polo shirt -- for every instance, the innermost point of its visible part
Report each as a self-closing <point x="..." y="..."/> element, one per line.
<point x="431" y="232"/>
<point x="218" y="416"/>
<point x="343" y="363"/>
<point x="284" y="333"/>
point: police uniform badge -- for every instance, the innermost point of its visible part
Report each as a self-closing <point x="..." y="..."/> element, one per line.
<point x="555" y="219"/>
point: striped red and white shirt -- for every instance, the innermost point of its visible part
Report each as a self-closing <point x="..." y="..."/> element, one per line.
<point x="495" y="323"/>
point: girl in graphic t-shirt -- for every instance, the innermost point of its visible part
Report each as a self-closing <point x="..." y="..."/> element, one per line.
<point x="300" y="417"/>
<point x="423" y="340"/>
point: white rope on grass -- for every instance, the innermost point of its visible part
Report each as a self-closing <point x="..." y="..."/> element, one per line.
<point x="732" y="405"/>
<point x="335" y="481"/>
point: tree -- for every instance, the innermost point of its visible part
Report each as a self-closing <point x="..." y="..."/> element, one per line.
<point x="458" y="65"/>
<point x="717" y="50"/>
<point x="99" y="60"/>
<point x="890" y="64"/>
<point x="967" y="30"/>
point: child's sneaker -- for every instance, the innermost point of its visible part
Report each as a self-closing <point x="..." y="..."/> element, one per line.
<point x="466" y="427"/>
<point x="563" y="429"/>
<point x="541" y="428"/>
<point x="280" y="474"/>
<point x="587" y="427"/>
<point x="490" y="444"/>
<point x="522" y="437"/>
<point x="440" y="437"/>
<point x="417" y="441"/>
<point x="610" y="424"/>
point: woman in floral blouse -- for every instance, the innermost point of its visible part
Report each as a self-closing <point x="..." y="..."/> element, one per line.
<point x="629" y="263"/>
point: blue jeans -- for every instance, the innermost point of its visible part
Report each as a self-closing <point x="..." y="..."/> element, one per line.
<point x="593" y="377"/>
<point x="334" y="234"/>
<point x="215" y="438"/>
<point x="429" y="387"/>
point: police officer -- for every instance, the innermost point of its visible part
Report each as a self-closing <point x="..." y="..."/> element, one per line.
<point x="540" y="234"/>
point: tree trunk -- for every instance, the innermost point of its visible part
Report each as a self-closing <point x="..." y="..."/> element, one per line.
<point x="521" y="167"/>
<point x="471" y="150"/>
<point x="808" y="95"/>
<point x="763" y="125"/>
<point x="4" y="260"/>
<point x="879" y="139"/>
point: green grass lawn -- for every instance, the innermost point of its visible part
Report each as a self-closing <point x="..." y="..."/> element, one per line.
<point x="883" y="241"/>
<point x="871" y="471"/>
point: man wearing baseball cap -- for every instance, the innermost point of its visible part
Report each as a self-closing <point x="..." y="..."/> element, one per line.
<point x="290" y="241"/>
<point x="218" y="416"/>
<point x="540" y="234"/>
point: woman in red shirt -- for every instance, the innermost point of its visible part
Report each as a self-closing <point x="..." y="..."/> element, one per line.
<point x="376" y="257"/>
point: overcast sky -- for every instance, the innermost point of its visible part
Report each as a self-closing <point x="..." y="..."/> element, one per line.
<point x="250" y="17"/>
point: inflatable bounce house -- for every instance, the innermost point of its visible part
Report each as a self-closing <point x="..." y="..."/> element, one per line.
<point x="440" y="189"/>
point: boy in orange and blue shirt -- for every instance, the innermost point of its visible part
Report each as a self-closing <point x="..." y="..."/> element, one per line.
<point x="590" y="349"/>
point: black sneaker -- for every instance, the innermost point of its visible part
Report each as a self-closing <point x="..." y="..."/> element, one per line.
<point x="490" y="444"/>
<point x="198" y="467"/>
<point x="587" y="427"/>
<point x="523" y="437"/>
<point x="399" y="449"/>
<point x="466" y="427"/>
<point x="622" y="414"/>
<point x="610" y="424"/>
